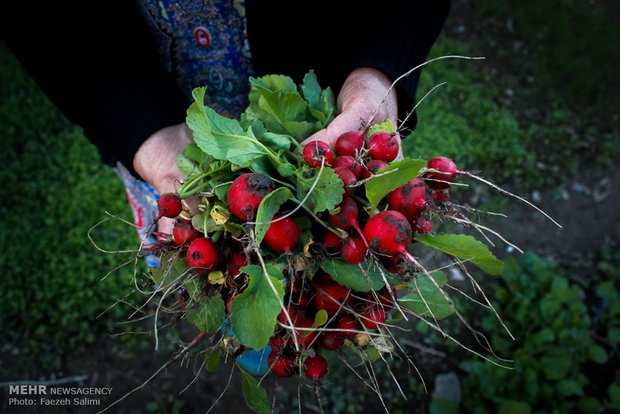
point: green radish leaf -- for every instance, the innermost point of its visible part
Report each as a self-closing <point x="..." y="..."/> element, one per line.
<point x="208" y="314"/>
<point x="321" y="102"/>
<point x="189" y="168"/>
<point x="221" y="137"/>
<point x="213" y="358"/>
<point x="427" y="296"/>
<point x="286" y="169"/>
<point x="404" y="171"/>
<point x="465" y="247"/>
<point x="170" y="270"/>
<point x="276" y="141"/>
<point x="253" y="313"/>
<point x="254" y="394"/>
<point x="326" y="194"/>
<point x="267" y="208"/>
<point x="385" y="126"/>
<point x="351" y="276"/>
<point x="301" y="130"/>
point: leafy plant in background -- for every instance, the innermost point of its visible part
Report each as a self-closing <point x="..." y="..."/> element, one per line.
<point x="556" y="359"/>
<point x="53" y="187"/>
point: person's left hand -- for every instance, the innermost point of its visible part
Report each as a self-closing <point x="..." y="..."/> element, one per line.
<point x="359" y="97"/>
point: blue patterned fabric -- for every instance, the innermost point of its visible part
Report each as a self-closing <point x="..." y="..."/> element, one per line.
<point x="204" y="43"/>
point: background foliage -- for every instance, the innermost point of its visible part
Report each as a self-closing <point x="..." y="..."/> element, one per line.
<point x="540" y="111"/>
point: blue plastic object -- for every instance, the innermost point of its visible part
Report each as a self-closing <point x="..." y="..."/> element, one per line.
<point x="252" y="361"/>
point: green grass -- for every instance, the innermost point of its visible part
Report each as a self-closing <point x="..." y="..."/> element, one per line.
<point x="54" y="188"/>
<point x="531" y="117"/>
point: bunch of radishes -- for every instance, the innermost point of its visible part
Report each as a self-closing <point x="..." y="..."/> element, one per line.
<point x="302" y="251"/>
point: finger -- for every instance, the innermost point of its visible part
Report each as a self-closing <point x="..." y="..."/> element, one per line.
<point x="345" y="122"/>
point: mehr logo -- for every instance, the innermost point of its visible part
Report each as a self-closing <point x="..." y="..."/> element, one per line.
<point x="28" y="389"/>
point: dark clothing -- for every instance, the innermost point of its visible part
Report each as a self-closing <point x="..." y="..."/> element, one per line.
<point x="98" y="61"/>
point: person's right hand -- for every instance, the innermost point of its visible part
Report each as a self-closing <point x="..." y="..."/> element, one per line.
<point x="156" y="162"/>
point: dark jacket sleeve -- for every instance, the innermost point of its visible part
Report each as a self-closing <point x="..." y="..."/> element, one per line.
<point x="334" y="37"/>
<point x="97" y="64"/>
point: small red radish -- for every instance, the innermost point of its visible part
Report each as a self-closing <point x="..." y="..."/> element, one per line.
<point x="331" y="241"/>
<point x="315" y="367"/>
<point x="396" y="264"/>
<point x="446" y="173"/>
<point x="373" y="317"/>
<point x="183" y="232"/>
<point x="305" y="337"/>
<point x="347" y="325"/>
<point x="246" y="193"/>
<point x="422" y="225"/>
<point x="294" y="312"/>
<point x="229" y="301"/>
<point x="316" y="151"/>
<point x="388" y="232"/>
<point x="441" y="196"/>
<point x="329" y="297"/>
<point x="372" y="167"/>
<point x="202" y="254"/>
<point x="347" y="216"/>
<point x="278" y="343"/>
<point x="349" y="162"/>
<point x="383" y="146"/>
<point x="169" y="205"/>
<point x="354" y="250"/>
<point x="331" y="341"/>
<point x="348" y="179"/>
<point x="282" y="235"/>
<point x="281" y="366"/>
<point x="237" y="261"/>
<point x="409" y="198"/>
<point x="350" y="143"/>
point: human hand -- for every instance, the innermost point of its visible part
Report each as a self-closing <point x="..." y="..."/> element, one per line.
<point x="360" y="96"/>
<point x="156" y="162"/>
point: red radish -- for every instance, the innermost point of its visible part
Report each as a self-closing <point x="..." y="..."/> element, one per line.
<point x="383" y="146"/>
<point x="246" y="193"/>
<point x="282" y="235"/>
<point x="293" y="311"/>
<point x="422" y="225"/>
<point x="202" y="254"/>
<point x="347" y="216"/>
<point x="281" y="366"/>
<point x="441" y="196"/>
<point x="236" y="262"/>
<point x="409" y="198"/>
<point x="397" y="264"/>
<point x="316" y="151"/>
<point x="315" y="367"/>
<point x="372" y="167"/>
<point x="331" y="241"/>
<point x="278" y="343"/>
<point x="388" y="232"/>
<point x="349" y="162"/>
<point x="373" y="317"/>
<point x="348" y="324"/>
<point x="305" y="337"/>
<point x="329" y="297"/>
<point x="183" y="232"/>
<point x="354" y="250"/>
<point x="348" y="179"/>
<point x="331" y="341"/>
<point x="350" y="143"/>
<point x="229" y="301"/>
<point x="446" y="173"/>
<point x="169" y="205"/>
